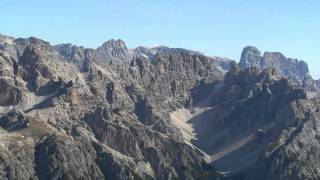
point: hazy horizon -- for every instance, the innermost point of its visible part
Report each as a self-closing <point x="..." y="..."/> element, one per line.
<point x="216" y="28"/>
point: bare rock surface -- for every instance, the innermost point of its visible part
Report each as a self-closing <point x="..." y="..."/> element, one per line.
<point x="68" y="112"/>
<point x="293" y="69"/>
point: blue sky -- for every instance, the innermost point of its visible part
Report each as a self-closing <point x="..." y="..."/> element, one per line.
<point x="215" y="27"/>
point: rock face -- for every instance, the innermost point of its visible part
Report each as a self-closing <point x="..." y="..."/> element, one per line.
<point x="14" y="120"/>
<point x="67" y="112"/>
<point x="311" y="86"/>
<point x="250" y="57"/>
<point x="293" y="69"/>
<point x="9" y="93"/>
<point x="97" y="114"/>
<point x="256" y="125"/>
<point x="61" y="157"/>
<point x="112" y="50"/>
<point x="293" y="150"/>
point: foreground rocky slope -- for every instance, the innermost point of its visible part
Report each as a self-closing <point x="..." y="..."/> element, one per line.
<point x="257" y="125"/>
<point x="67" y="112"/>
<point x="69" y="116"/>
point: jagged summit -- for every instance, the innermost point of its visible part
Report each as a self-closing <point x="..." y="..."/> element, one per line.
<point x="113" y="44"/>
<point x="293" y="69"/>
<point x="112" y="50"/>
<point x="250" y="57"/>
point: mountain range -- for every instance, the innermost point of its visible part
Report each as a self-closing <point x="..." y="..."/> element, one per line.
<point x="69" y="112"/>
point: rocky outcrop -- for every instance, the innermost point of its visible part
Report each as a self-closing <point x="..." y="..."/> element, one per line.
<point x="17" y="156"/>
<point x="112" y="50"/>
<point x="222" y="63"/>
<point x="311" y="87"/>
<point x="14" y="48"/>
<point x="7" y="45"/>
<point x="292" y="69"/>
<point x="9" y="93"/>
<point x="250" y="57"/>
<point x="14" y="120"/>
<point x="12" y="168"/>
<point x="292" y="154"/>
<point x="59" y="157"/>
<point x="309" y="84"/>
<point x="75" y="54"/>
<point x="144" y="52"/>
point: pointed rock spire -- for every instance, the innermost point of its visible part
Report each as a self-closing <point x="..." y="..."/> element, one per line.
<point x="112" y="50"/>
<point x="250" y="57"/>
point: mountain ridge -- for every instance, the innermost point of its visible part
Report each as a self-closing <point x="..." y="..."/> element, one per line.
<point x="131" y="52"/>
<point x="153" y="113"/>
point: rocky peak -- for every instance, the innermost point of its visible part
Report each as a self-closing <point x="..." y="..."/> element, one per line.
<point x="292" y="69"/>
<point x="21" y="44"/>
<point x="112" y="43"/>
<point x="36" y="41"/>
<point x="250" y="57"/>
<point x="7" y="46"/>
<point x="6" y="40"/>
<point x="15" y="47"/>
<point x="112" y="50"/>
